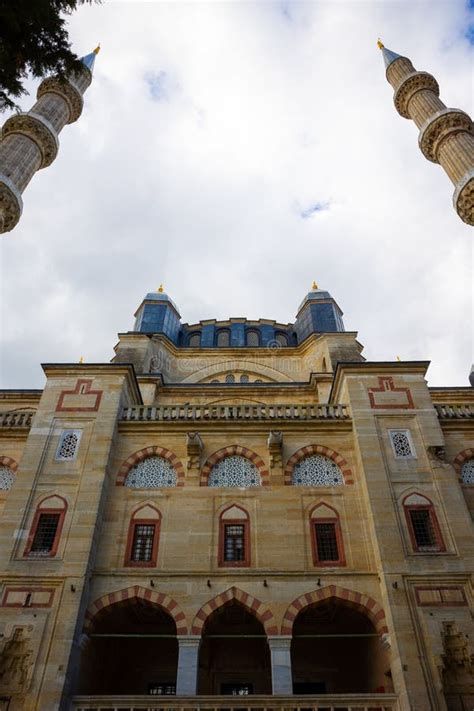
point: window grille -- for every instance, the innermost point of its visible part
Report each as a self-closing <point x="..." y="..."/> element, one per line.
<point x="423" y="529"/>
<point x="317" y="470"/>
<point x="223" y="338"/>
<point x="68" y="445"/>
<point x="45" y="534"/>
<point x="467" y="472"/>
<point x="230" y="378"/>
<point x="194" y="340"/>
<point x="282" y="339"/>
<point x="253" y="339"/>
<point x="142" y="546"/>
<point x="151" y="473"/>
<point x="326" y="542"/>
<point x="401" y="443"/>
<point x="244" y="378"/>
<point x="234" y="471"/>
<point x="7" y="478"/>
<point x="164" y="689"/>
<point x="234" y="542"/>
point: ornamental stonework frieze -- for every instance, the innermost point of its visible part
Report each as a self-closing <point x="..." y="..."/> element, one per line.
<point x="39" y="130"/>
<point x="67" y="91"/>
<point x="410" y="86"/>
<point x="463" y="198"/>
<point x="11" y="204"/>
<point x="438" y="127"/>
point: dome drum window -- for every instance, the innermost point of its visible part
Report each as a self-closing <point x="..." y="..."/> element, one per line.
<point x="317" y="470"/>
<point x="236" y="471"/>
<point x="152" y="473"/>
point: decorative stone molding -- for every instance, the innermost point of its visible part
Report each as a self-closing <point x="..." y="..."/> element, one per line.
<point x="9" y="462"/>
<point x="256" y="607"/>
<point x="437" y="452"/>
<point x="39" y="130"/>
<point x="194" y="448"/>
<point x="438" y="127"/>
<point x="11" y="204"/>
<point x="67" y="91"/>
<point x="275" y="448"/>
<point x="463" y="198"/>
<point x="411" y="85"/>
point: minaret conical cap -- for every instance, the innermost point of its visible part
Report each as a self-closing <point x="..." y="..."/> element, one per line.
<point x="89" y="59"/>
<point x="388" y="55"/>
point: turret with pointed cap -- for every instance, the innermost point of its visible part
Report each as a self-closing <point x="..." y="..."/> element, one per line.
<point x="29" y="141"/>
<point x="446" y="135"/>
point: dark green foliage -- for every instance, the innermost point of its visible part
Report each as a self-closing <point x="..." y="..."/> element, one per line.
<point x="33" y="40"/>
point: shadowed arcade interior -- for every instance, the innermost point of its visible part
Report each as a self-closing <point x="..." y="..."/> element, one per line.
<point x="350" y="659"/>
<point x="133" y="664"/>
<point x="238" y="663"/>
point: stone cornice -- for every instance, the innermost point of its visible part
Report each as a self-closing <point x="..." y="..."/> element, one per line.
<point x="58" y="370"/>
<point x="375" y="367"/>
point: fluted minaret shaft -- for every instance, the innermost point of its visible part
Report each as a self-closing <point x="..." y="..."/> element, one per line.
<point x="29" y="141"/>
<point x="446" y="135"/>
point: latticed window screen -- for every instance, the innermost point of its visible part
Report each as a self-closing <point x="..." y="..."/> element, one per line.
<point x="68" y="445"/>
<point x="326" y="541"/>
<point x="6" y="478"/>
<point x="244" y="378"/>
<point x="282" y="339"/>
<point x="230" y="378"/>
<point x="142" y="546"/>
<point x="467" y="472"/>
<point x="235" y="471"/>
<point x="317" y="470"/>
<point x="223" y="338"/>
<point x="45" y="534"/>
<point x="253" y="339"/>
<point x="234" y="542"/>
<point x="194" y="340"/>
<point x="423" y="529"/>
<point x="151" y="473"/>
<point x="401" y="443"/>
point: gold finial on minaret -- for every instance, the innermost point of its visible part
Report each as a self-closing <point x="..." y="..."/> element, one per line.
<point x="97" y="49"/>
<point x="398" y="358"/>
<point x="81" y="359"/>
<point x="314" y="287"/>
<point x="160" y="289"/>
<point x="380" y="44"/>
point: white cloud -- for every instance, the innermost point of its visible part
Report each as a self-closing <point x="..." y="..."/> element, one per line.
<point x="263" y="107"/>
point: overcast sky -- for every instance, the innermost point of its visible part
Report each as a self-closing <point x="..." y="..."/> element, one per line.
<point x="235" y="152"/>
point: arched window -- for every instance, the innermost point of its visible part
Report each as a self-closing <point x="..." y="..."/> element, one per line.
<point x="143" y="536"/>
<point x="317" y="470"/>
<point x="253" y="338"/>
<point x="152" y="473"/>
<point x="223" y="338"/>
<point x="423" y="527"/>
<point x="7" y="477"/>
<point x="467" y="472"/>
<point x="68" y="445"/>
<point x="234" y="471"/>
<point x="214" y="381"/>
<point x="234" y="538"/>
<point x="230" y="378"/>
<point x="326" y="537"/>
<point x="194" y="340"/>
<point x="281" y="338"/>
<point x="46" y="528"/>
<point x="244" y="378"/>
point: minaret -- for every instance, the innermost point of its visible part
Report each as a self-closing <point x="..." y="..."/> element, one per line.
<point x="29" y="141"/>
<point x="446" y="135"/>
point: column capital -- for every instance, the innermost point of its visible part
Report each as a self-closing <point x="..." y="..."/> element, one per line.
<point x="188" y="640"/>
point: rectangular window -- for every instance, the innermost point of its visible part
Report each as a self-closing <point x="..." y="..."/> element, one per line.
<point x="234" y="543"/>
<point x="423" y="530"/>
<point x="68" y="445"/>
<point x="326" y="542"/>
<point x="45" y="534"/>
<point x="142" y="545"/>
<point x="401" y="444"/>
<point x="164" y="689"/>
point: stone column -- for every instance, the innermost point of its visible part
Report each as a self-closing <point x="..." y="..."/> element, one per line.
<point x="186" y="684"/>
<point x="282" y="678"/>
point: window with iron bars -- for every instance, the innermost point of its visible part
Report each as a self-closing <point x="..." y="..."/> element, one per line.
<point x="45" y="534"/>
<point x="424" y="530"/>
<point x="326" y="542"/>
<point x="234" y="543"/>
<point x="142" y="546"/>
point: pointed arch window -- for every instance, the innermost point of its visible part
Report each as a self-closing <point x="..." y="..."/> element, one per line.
<point x="143" y="536"/>
<point x="326" y="537"/>
<point x="423" y="526"/>
<point x="45" y="531"/>
<point x="234" y="538"/>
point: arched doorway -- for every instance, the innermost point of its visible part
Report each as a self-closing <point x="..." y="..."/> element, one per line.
<point x="234" y="658"/>
<point x="132" y="650"/>
<point x="336" y="649"/>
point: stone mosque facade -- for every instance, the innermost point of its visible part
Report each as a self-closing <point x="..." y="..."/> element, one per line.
<point x="235" y="514"/>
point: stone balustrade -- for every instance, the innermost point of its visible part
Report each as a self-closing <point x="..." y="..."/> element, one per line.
<point x="450" y="412"/>
<point x="17" y="418"/>
<point x="326" y="702"/>
<point x="193" y="413"/>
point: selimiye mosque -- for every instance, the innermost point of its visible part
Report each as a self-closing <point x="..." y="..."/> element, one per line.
<point x="238" y="514"/>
